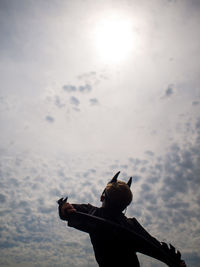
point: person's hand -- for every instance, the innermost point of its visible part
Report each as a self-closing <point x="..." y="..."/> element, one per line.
<point x="182" y="263"/>
<point x="67" y="209"/>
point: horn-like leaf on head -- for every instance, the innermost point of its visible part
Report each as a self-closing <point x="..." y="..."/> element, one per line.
<point x="172" y="248"/>
<point x="114" y="179"/>
<point x="129" y="182"/>
<point x="65" y="200"/>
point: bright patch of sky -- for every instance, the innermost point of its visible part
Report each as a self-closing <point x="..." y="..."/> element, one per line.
<point x="81" y="100"/>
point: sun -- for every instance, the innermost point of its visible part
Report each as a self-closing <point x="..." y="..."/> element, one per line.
<point x="113" y="39"/>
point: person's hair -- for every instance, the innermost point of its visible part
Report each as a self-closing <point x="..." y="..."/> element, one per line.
<point x="118" y="195"/>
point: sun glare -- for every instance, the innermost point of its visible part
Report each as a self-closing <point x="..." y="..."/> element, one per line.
<point x="114" y="39"/>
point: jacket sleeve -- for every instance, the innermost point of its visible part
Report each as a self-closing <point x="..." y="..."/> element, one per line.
<point x="85" y="208"/>
<point x="137" y="227"/>
<point x="150" y="246"/>
<point x="79" y="222"/>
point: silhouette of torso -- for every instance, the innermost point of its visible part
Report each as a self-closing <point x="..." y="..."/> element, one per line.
<point x="110" y="249"/>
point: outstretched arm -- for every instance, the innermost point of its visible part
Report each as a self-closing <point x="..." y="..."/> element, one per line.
<point x="71" y="213"/>
<point x="156" y="249"/>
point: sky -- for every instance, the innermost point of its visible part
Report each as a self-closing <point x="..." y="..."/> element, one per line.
<point x="90" y="88"/>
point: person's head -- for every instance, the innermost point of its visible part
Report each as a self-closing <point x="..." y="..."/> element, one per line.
<point x="117" y="194"/>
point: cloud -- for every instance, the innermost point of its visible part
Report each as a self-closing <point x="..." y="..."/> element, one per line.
<point x="160" y="205"/>
<point x="49" y="118"/>
<point x="2" y="199"/>
<point x="150" y="153"/>
<point x="169" y="192"/>
<point x="197" y="125"/>
<point x="93" y="77"/>
<point x="81" y="88"/>
<point x="169" y="91"/>
<point x="74" y="101"/>
<point x="85" y="88"/>
<point x="124" y="166"/>
<point x="145" y="187"/>
<point x="195" y="103"/>
<point x="193" y="258"/>
<point x="136" y="161"/>
<point x="88" y="75"/>
<point x="166" y="191"/>
<point x="58" y="102"/>
<point x="78" y="96"/>
<point x="55" y="192"/>
<point x="136" y="178"/>
<point x="94" y="101"/>
<point x="69" y="88"/>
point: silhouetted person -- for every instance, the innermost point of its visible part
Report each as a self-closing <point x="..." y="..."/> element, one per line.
<point x="111" y="246"/>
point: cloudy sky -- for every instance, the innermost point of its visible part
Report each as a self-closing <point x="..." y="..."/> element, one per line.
<point x="89" y="88"/>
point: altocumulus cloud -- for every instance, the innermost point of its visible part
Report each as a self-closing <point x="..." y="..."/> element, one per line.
<point x="166" y="197"/>
<point x="35" y="235"/>
<point x="81" y="88"/>
<point x="2" y="199"/>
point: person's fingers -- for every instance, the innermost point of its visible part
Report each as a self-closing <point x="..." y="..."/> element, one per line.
<point x="69" y="208"/>
<point x="182" y="264"/>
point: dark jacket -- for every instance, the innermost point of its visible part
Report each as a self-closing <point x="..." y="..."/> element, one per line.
<point x="111" y="248"/>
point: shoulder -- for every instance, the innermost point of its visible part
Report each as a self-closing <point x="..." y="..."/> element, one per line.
<point x="135" y="225"/>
